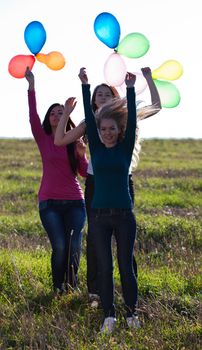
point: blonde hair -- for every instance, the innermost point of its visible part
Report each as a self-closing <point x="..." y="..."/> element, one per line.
<point x="116" y="109"/>
<point x="136" y="150"/>
<point x="142" y="113"/>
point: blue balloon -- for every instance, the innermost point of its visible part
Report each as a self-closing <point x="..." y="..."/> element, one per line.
<point x="35" y="36"/>
<point x="107" y="29"/>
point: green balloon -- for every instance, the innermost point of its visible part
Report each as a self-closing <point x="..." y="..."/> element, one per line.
<point x="133" y="45"/>
<point x="169" y="94"/>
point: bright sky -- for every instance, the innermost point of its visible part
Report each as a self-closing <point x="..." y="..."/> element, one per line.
<point x="172" y="27"/>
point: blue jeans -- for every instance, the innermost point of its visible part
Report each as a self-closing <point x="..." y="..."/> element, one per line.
<point x="92" y="282"/>
<point x="63" y="221"/>
<point x="103" y="224"/>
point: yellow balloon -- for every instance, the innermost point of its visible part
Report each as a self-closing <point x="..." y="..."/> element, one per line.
<point x="169" y="70"/>
<point x="53" y="60"/>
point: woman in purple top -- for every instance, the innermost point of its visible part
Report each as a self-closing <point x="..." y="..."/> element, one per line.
<point x="61" y="200"/>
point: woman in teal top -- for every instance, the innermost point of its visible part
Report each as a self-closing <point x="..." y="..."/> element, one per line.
<point x="112" y="207"/>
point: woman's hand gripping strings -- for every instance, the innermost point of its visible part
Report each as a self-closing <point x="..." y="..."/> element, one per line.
<point x="130" y="79"/>
<point x="30" y="78"/>
<point x="83" y="76"/>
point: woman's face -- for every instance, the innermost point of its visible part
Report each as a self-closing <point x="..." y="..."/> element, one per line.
<point x="103" y="95"/>
<point x="109" y="132"/>
<point x="55" y="115"/>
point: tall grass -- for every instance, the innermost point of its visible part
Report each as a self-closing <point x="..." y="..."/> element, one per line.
<point x="168" y="250"/>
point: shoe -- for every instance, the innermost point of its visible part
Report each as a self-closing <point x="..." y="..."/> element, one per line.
<point x="94" y="300"/>
<point x="58" y="292"/>
<point x="133" y="322"/>
<point x="108" y="325"/>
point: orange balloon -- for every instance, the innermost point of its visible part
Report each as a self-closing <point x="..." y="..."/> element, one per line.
<point x="18" y="64"/>
<point x="53" y="60"/>
<point x="41" y="57"/>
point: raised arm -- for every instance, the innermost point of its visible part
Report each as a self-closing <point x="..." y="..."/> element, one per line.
<point x="131" y="105"/>
<point x="91" y="126"/>
<point x="61" y="136"/>
<point x="34" y="119"/>
<point x="155" y="98"/>
<point x="30" y="78"/>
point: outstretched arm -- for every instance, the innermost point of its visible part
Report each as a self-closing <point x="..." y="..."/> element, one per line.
<point x="30" y="78"/>
<point x="92" y="132"/>
<point x="61" y="136"/>
<point x="131" y="106"/>
<point x="155" y="98"/>
<point x="34" y="119"/>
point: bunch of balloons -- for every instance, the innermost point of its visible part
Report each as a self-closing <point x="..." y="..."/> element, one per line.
<point x="35" y="38"/>
<point x="133" y="45"/>
<point x="169" y="94"/>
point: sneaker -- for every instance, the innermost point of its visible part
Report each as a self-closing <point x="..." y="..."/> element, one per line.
<point x="94" y="300"/>
<point x="133" y="322"/>
<point x="108" y="325"/>
<point x="58" y="293"/>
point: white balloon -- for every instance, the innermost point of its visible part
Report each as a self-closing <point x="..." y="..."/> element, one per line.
<point x="115" y="70"/>
<point x="140" y="83"/>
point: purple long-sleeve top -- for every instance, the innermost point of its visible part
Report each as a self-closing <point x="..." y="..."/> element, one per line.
<point x="58" y="180"/>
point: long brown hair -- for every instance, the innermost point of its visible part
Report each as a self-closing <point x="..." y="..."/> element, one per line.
<point x="71" y="147"/>
<point x="113" y="90"/>
<point x="115" y="109"/>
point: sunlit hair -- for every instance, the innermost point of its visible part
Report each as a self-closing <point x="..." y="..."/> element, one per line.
<point x="113" y="90"/>
<point x="147" y="111"/>
<point x="115" y="109"/>
<point x="136" y="150"/>
<point x="70" y="125"/>
<point x="142" y="113"/>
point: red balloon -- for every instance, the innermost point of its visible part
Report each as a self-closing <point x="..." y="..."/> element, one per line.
<point x="18" y="64"/>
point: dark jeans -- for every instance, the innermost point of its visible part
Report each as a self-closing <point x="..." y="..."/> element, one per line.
<point x="63" y="221"/>
<point x="121" y="223"/>
<point x="92" y="282"/>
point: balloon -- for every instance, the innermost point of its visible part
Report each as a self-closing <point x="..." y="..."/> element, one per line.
<point x="115" y="70"/>
<point x="168" y="92"/>
<point x="41" y="57"/>
<point x="140" y="83"/>
<point x="35" y="36"/>
<point x="53" y="60"/>
<point x="169" y="70"/>
<point x="133" y="45"/>
<point x="107" y="29"/>
<point x="18" y="64"/>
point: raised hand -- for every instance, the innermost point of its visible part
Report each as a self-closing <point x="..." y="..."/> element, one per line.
<point x="146" y="71"/>
<point x="30" y="78"/>
<point x="83" y="76"/>
<point x="70" y="104"/>
<point x="155" y="98"/>
<point x="130" y="79"/>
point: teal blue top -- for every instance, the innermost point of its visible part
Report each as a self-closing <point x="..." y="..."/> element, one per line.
<point x="110" y="165"/>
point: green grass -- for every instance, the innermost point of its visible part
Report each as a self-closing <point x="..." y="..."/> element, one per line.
<point x="168" y="210"/>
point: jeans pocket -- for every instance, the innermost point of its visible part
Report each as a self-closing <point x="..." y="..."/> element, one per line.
<point x="43" y="205"/>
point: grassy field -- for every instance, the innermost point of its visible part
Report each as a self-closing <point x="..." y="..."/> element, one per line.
<point x="168" y="185"/>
